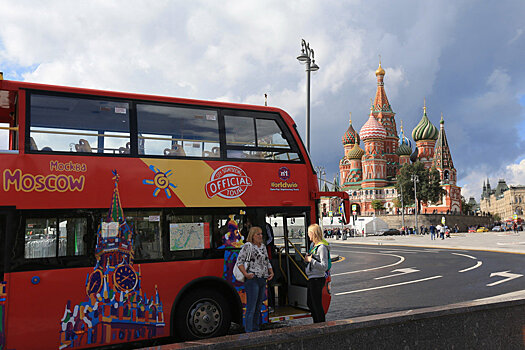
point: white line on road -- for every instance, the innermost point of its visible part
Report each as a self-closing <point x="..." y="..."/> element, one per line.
<point x="468" y="256"/>
<point x="401" y="259"/>
<point x="398" y="251"/>
<point x="510" y="276"/>
<point x="389" y="285"/>
<point x="401" y="272"/>
<point x="478" y="264"/>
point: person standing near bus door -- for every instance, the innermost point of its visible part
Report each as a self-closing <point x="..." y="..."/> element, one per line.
<point x="318" y="263"/>
<point x="258" y="272"/>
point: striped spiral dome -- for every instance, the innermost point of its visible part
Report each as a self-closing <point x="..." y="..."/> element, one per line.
<point x="404" y="148"/>
<point x="425" y="130"/>
<point x="372" y="129"/>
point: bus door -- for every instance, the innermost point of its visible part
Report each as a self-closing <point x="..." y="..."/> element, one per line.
<point x="6" y="222"/>
<point x="290" y="242"/>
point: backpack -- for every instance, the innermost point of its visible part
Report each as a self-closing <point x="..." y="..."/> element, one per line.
<point x="314" y="251"/>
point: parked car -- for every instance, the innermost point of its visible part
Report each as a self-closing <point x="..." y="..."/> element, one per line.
<point x="482" y="229"/>
<point x="472" y="229"/>
<point x="391" y="231"/>
<point x="497" y="228"/>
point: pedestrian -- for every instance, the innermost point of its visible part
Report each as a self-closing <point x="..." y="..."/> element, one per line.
<point x="432" y="232"/>
<point x="258" y="272"/>
<point x="438" y="230"/>
<point x="318" y="263"/>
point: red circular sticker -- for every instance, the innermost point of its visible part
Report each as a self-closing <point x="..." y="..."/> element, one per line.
<point x="228" y="182"/>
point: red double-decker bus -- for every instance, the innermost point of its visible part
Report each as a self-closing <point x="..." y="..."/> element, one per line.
<point x="121" y="215"/>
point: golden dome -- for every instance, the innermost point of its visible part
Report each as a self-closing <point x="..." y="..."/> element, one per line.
<point x="380" y="71"/>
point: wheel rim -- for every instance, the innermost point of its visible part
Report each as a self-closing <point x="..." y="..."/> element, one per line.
<point x="204" y="317"/>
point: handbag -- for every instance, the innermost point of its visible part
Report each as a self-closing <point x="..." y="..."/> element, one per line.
<point x="239" y="276"/>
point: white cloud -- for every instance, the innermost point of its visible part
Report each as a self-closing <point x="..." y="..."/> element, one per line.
<point x="237" y="50"/>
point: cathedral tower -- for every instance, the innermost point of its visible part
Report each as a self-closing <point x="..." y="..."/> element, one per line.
<point x="404" y="150"/>
<point x="425" y="135"/>
<point x="385" y="116"/>
<point x="350" y="139"/>
<point x="373" y="162"/>
<point x="443" y="163"/>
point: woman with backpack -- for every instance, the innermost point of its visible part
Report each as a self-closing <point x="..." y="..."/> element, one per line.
<point x="318" y="263"/>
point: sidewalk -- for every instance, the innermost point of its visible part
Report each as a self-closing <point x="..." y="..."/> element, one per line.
<point x="506" y="242"/>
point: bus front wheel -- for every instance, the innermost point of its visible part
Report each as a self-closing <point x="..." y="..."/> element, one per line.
<point x="202" y="314"/>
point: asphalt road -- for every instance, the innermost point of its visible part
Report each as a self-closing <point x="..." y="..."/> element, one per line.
<point x="379" y="279"/>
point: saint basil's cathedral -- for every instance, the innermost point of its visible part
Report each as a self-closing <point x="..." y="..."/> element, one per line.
<point x="370" y="174"/>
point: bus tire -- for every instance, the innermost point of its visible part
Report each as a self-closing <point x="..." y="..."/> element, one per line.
<point x="202" y="314"/>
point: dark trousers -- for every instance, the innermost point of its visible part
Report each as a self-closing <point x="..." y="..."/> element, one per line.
<point x="315" y="298"/>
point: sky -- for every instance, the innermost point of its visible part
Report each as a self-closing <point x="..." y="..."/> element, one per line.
<point x="464" y="57"/>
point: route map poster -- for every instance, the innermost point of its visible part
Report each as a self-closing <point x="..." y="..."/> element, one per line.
<point x="186" y="236"/>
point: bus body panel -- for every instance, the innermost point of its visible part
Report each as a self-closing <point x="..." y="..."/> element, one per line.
<point x="33" y="181"/>
<point x="40" y="299"/>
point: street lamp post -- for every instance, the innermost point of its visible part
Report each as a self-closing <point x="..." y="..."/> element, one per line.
<point x="320" y="173"/>
<point x="307" y="57"/>
<point x="415" y="178"/>
<point x="402" y="209"/>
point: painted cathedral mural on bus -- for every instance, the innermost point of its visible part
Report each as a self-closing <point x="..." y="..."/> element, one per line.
<point x="116" y="308"/>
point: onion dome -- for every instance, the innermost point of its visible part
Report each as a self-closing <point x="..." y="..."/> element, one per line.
<point x="372" y="129"/>
<point x="351" y="136"/>
<point x="425" y="130"/>
<point x="380" y="70"/>
<point x="404" y="149"/>
<point x="413" y="156"/>
<point x="356" y="152"/>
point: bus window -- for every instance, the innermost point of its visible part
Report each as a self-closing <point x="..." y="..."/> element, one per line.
<point x="240" y="131"/>
<point x="147" y="241"/>
<point x="250" y="138"/>
<point x="177" y="131"/>
<point x="40" y="238"/>
<point x="4" y="136"/>
<point x="72" y="232"/>
<point x="189" y="232"/>
<point x="74" y="124"/>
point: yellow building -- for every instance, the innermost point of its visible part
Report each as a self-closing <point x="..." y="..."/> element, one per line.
<point x="503" y="200"/>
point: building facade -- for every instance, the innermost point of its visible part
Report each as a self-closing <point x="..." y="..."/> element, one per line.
<point x="507" y="202"/>
<point x="370" y="174"/>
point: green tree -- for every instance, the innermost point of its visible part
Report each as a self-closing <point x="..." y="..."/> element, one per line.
<point x="377" y="205"/>
<point x="397" y="203"/>
<point x="496" y="217"/>
<point x="465" y="206"/>
<point x="428" y="186"/>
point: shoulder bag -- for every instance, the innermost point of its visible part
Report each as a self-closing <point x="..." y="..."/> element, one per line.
<point x="237" y="273"/>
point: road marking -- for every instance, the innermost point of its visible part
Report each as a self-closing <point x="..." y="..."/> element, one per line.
<point x="468" y="256"/>
<point x="510" y="276"/>
<point x="398" y="251"/>
<point x="401" y="272"/>
<point x="389" y="285"/>
<point x="401" y="259"/>
<point x="478" y="264"/>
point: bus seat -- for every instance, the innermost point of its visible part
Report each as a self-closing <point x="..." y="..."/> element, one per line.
<point x="47" y="149"/>
<point x="83" y="146"/>
<point x="124" y="150"/>
<point x="213" y="153"/>
<point x="175" y="150"/>
<point x="32" y="144"/>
